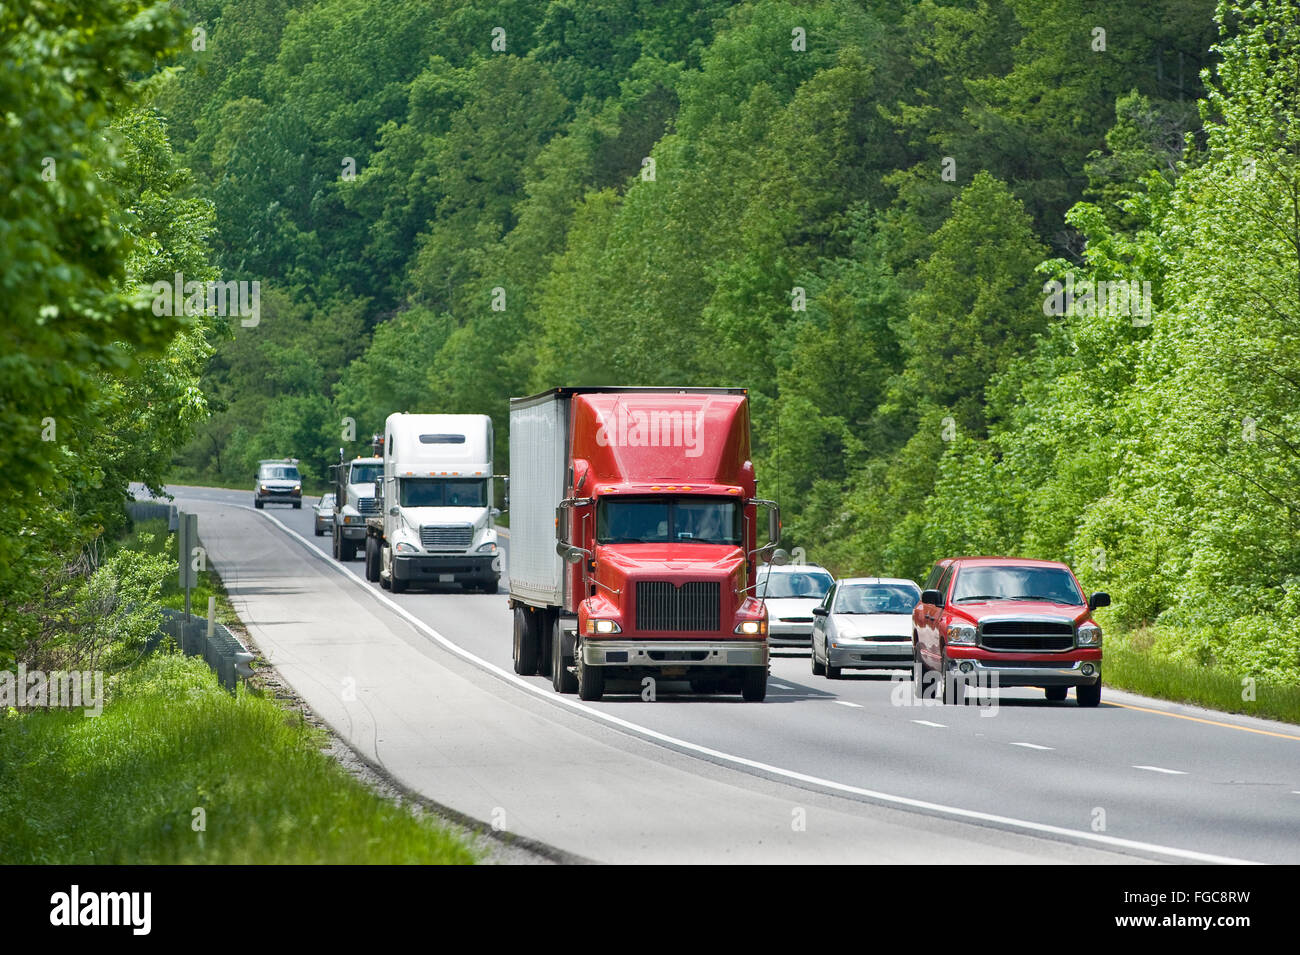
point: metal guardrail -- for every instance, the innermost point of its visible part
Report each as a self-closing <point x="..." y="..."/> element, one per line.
<point x="152" y="511"/>
<point x="223" y="652"/>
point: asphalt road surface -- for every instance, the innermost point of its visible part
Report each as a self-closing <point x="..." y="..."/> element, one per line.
<point x="849" y="770"/>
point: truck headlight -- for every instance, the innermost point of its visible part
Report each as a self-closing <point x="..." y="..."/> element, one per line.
<point x="406" y="548"/>
<point x="751" y="628"/>
<point x="1090" y="635"/>
<point x="489" y="548"/>
<point x="961" y="634"/>
<point x="603" y="625"/>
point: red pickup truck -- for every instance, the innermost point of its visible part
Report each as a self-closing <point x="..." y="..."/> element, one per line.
<point x="1006" y="621"/>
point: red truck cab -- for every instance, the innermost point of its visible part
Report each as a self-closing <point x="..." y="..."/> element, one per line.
<point x="1006" y="622"/>
<point x="657" y="527"/>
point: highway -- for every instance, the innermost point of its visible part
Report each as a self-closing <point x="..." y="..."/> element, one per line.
<point x="823" y="771"/>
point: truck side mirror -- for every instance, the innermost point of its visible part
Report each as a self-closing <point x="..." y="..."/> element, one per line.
<point x="1099" y="599"/>
<point x="932" y="597"/>
<point x="394" y="511"/>
<point x="496" y="512"/>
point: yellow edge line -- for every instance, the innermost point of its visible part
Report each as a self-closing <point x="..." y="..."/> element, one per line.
<point x="1197" y="719"/>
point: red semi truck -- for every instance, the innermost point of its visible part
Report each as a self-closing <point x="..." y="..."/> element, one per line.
<point x="634" y="538"/>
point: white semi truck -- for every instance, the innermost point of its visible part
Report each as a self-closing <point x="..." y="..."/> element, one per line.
<point x="354" y="502"/>
<point x="436" y="521"/>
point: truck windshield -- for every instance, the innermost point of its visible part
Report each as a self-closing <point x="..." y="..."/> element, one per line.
<point x="1050" y="584"/>
<point x="364" y="474"/>
<point x="443" y="492"/>
<point x="708" y="520"/>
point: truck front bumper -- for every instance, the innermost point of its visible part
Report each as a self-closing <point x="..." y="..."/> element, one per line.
<point x="447" y="568"/>
<point x="1081" y="670"/>
<point x="655" y="654"/>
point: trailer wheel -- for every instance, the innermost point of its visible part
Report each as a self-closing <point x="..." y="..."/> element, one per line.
<point x="1088" y="695"/>
<point x="591" y="680"/>
<point x="525" y="651"/>
<point x="561" y="678"/>
<point x="753" y="686"/>
<point x="372" y="558"/>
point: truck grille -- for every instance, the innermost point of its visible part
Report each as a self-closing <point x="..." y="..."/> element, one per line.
<point x="446" y="536"/>
<point x="1027" y="635"/>
<point x="692" y="606"/>
<point x="367" y="506"/>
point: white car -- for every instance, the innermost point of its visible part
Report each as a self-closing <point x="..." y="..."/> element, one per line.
<point x="864" y="623"/>
<point x="791" y="591"/>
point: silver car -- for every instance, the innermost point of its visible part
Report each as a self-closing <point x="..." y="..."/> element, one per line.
<point x="864" y="623"/>
<point x="791" y="591"/>
<point x="324" y="509"/>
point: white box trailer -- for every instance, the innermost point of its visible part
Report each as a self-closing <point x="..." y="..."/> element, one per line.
<point x="539" y="430"/>
<point x="436" y="500"/>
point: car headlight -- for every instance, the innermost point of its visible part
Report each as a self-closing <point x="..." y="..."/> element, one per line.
<point x="603" y="625"/>
<point x="1090" y="635"/>
<point x="489" y="548"/>
<point x="403" y="547"/>
<point x="961" y="634"/>
<point x="751" y="628"/>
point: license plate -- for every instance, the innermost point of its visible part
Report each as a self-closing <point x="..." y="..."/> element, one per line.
<point x="446" y="578"/>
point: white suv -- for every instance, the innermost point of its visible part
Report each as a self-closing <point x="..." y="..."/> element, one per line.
<point x="790" y="592"/>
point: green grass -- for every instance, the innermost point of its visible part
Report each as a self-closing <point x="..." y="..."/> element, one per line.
<point x="122" y="787"/>
<point x="1150" y="674"/>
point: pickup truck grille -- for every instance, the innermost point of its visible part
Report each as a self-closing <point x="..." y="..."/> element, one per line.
<point x="692" y="606"/>
<point x="1027" y="636"/>
<point x="367" y="506"/>
<point x="446" y="536"/>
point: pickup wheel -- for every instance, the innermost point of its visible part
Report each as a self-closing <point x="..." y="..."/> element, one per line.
<point x="492" y="587"/>
<point x="591" y="680"/>
<point x="319" y="532"/>
<point x="561" y="678"/>
<point x="347" y="550"/>
<point x="920" y="674"/>
<point x="335" y="540"/>
<point x="753" y="686"/>
<point x="372" y="559"/>
<point x="257" y="503"/>
<point x="954" y="687"/>
<point x="1056" y="694"/>
<point x="1088" y="695"/>
<point x="525" y="649"/>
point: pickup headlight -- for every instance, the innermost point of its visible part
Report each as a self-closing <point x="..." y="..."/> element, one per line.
<point x="489" y="548"/>
<point x="603" y="625"/>
<point x="1090" y="635"/>
<point x="961" y="634"/>
<point x="403" y="547"/>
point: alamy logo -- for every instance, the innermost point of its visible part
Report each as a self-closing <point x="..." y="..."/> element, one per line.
<point x="75" y="907"/>
<point x="65" y="689"/>
<point x="179" y="297"/>
<point x="653" y="429"/>
<point x="1087" y="298"/>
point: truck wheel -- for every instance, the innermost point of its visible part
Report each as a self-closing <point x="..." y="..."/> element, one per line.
<point x="395" y="585"/>
<point x="753" y="686"/>
<point x="372" y="559"/>
<point x="591" y="680"/>
<point x="818" y="669"/>
<point x="561" y="678"/>
<point x="525" y="652"/>
<point x="1088" y="695"/>
<point x="1056" y="694"/>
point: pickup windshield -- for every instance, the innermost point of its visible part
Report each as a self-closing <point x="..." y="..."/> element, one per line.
<point x="442" y="492"/>
<point x="1049" y="584"/>
<point x="705" y="520"/>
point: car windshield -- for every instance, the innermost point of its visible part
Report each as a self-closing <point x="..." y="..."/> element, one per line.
<point x="364" y="474"/>
<point x="876" y="598"/>
<point x="1050" y="584"/>
<point x="793" y="584"/>
<point x="440" y="492"/>
<point x="278" y="472"/>
<point x="701" y="520"/>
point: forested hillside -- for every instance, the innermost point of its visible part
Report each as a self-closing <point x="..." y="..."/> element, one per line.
<point x="856" y="210"/>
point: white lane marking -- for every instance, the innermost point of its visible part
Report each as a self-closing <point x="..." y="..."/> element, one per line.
<point x="942" y="726"/>
<point x="550" y="695"/>
<point x="856" y="706"/>
<point x="1032" y="746"/>
<point x="1161" y="769"/>
<point x="781" y="686"/>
